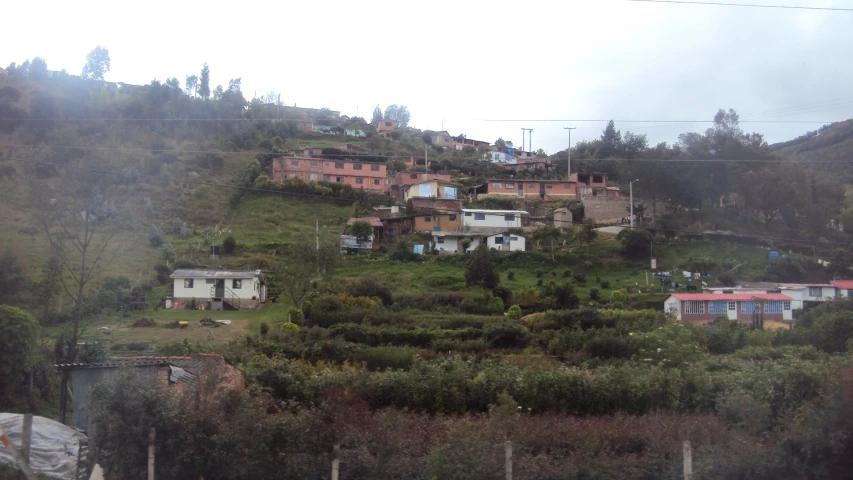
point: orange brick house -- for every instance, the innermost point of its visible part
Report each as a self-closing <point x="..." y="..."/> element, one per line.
<point x="365" y="175"/>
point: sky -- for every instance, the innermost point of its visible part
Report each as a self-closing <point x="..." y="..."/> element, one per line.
<point x="467" y="66"/>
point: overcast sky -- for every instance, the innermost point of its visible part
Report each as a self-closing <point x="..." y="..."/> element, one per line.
<point x="463" y="63"/>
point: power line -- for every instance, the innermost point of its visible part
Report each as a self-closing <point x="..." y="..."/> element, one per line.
<point x="751" y="5"/>
<point x="602" y="120"/>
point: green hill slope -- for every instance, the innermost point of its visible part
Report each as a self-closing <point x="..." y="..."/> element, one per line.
<point x="827" y="152"/>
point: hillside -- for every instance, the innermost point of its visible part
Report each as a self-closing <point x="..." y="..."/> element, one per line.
<point x="828" y="152"/>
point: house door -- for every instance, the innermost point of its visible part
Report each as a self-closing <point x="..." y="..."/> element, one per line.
<point x="520" y="189"/>
<point x="220" y="288"/>
<point x="541" y="190"/>
<point x="731" y="310"/>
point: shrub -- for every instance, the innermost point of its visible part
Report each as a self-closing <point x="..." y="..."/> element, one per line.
<point x="539" y="282"/>
<point x="618" y="297"/>
<point x="369" y="287"/>
<point x="288" y="327"/>
<point x="539" y="273"/>
<point x="229" y="245"/>
<point x="382" y="358"/>
<point x="609" y="346"/>
<point x="502" y="292"/>
<point x="593" y="294"/>
<point x="183" y="263"/>
<point x="163" y="272"/>
<point x="295" y="316"/>
<point x="670" y="346"/>
<point x="567" y="274"/>
<point x="605" y="284"/>
<point x="510" y="275"/>
<point x="155" y="238"/>
<point x="580" y="278"/>
<point x="265" y="329"/>
<point x="563" y="295"/>
<point x="507" y="335"/>
<point x="514" y="313"/>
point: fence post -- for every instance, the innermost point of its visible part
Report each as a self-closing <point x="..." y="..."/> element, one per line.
<point x="26" y="438"/>
<point x="688" y="461"/>
<point x="508" y="459"/>
<point x="151" y="436"/>
<point x="336" y="464"/>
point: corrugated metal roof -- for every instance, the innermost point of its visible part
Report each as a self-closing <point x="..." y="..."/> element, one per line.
<point x="189" y="273"/>
<point x="183" y="369"/>
<point x="495" y="212"/>
<point x="731" y="296"/>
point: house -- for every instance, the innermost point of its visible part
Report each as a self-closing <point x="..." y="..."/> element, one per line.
<point x="700" y="308"/>
<point x="495" y="238"/>
<point x="844" y="288"/>
<point x="541" y="189"/>
<point x="354" y="132"/>
<point x="385" y="127"/>
<point x="169" y="372"/>
<point x="562" y="218"/>
<point x="350" y="242"/>
<point x="593" y="184"/>
<point x="473" y="218"/>
<point x="441" y="222"/>
<point x="808" y="295"/>
<point x="431" y="189"/>
<point x="220" y="289"/>
<point x="444" y="140"/>
<point x="501" y="158"/>
<point x="365" y="175"/>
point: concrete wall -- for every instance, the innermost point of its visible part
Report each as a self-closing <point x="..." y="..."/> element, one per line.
<point x="605" y="209"/>
<point x="469" y="219"/>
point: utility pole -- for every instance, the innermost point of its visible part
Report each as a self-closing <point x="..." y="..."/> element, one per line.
<point x="523" y="134"/>
<point x="569" y="152"/>
<point x="631" y="192"/>
<point x="426" y="160"/>
<point x="531" y="140"/>
<point x="317" y="229"/>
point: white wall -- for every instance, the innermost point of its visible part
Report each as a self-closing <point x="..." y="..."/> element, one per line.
<point x="516" y="243"/>
<point x="201" y="289"/>
<point x="469" y="219"/>
<point x="451" y="244"/>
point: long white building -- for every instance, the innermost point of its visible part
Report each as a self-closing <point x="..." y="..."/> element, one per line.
<point x="491" y="218"/>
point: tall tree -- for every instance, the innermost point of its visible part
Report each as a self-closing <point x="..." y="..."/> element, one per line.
<point x="361" y="230"/>
<point x="191" y="85"/>
<point x="38" y="69"/>
<point x="400" y="113"/>
<point x="97" y="64"/>
<point x="377" y="115"/>
<point x="481" y="269"/>
<point x="204" y="82"/>
<point x="18" y="335"/>
<point x="173" y="83"/>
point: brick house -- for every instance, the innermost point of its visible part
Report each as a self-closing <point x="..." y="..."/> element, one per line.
<point x="431" y="189"/>
<point x="442" y="222"/>
<point x="385" y="127"/>
<point x="593" y="184"/>
<point x="701" y="308"/>
<point x="541" y="189"/>
<point x="365" y="175"/>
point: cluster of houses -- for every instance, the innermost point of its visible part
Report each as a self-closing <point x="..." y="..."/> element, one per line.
<point x="774" y="301"/>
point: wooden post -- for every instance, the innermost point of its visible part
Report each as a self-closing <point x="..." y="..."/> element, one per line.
<point x="508" y="459"/>
<point x="26" y="438"/>
<point x="23" y="465"/>
<point x="151" y="437"/>
<point x="336" y="464"/>
<point x="688" y="461"/>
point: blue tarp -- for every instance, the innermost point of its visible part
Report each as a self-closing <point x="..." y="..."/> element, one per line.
<point x="419" y="249"/>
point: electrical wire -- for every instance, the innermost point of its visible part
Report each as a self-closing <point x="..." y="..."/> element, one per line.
<point x="752" y="5"/>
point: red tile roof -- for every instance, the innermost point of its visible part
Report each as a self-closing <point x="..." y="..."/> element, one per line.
<point x="846" y="284"/>
<point x="731" y="296"/>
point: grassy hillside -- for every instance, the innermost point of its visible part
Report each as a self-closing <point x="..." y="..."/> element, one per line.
<point x="827" y="152"/>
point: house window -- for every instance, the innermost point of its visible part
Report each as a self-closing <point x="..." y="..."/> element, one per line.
<point x="439" y="240"/>
<point x="359" y="181"/>
<point x="786" y="306"/>
<point x="815" y="291"/>
<point x="428" y="219"/>
<point x="499" y="240"/>
<point x="531" y="185"/>
<point x="188" y="283"/>
<point x="374" y="168"/>
<point x="339" y="165"/>
<point x="294" y="162"/>
<point x="452" y="218"/>
<point x="497" y="185"/>
<point x="312" y="177"/>
<point x="387" y="124"/>
<point x="548" y="185"/>
<point x="717" y="307"/>
<point x="327" y="178"/>
<point x="356" y="166"/>
<point x="509" y="218"/>
<point x="510" y="185"/>
<point x="479" y="216"/>
<point x="467" y="214"/>
<point x="773" y="307"/>
<point x="733" y="306"/>
<point x="237" y="284"/>
<point x="210" y="281"/>
<point x="339" y="179"/>
<point x="513" y="239"/>
<point x="313" y="164"/>
<point x="749" y="307"/>
<point x="414" y="176"/>
<point x="291" y="175"/>
<point x="376" y="181"/>
<point x="693" y="306"/>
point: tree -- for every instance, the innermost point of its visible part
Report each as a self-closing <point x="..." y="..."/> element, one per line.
<point x="481" y="270"/>
<point x="83" y="228"/>
<point x="204" y="82"/>
<point x="362" y="231"/>
<point x="191" y="85"/>
<point x="400" y="113"/>
<point x="377" y="116"/>
<point x="547" y="234"/>
<point x="229" y="245"/>
<point x="500" y="142"/>
<point x="587" y="233"/>
<point x="218" y="92"/>
<point x="97" y="64"/>
<point x="173" y="83"/>
<point x="38" y="69"/>
<point x="636" y="243"/>
<point x="12" y="277"/>
<point x="466" y="243"/>
<point x="18" y="335"/>
<point x="298" y="271"/>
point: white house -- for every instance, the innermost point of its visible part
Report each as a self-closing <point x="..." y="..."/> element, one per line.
<point x="805" y="294"/>
<point x="491" y="218"/>
<point x="503" y="241"/>
<point x="844" y="288"/>
<point x="502" y="158"/>
<point x="221" y="289"/>
<point x="699" y="308"/>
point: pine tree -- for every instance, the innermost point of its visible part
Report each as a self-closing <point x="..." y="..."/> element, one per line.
<point x="377" y="115"/>
<point x="481" y="270"/>
<point x="204" y="82"/>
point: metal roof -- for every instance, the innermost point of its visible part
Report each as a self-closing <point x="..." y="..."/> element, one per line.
<point x="731" y="296"/>
<point x="373" y="221"/>
<point x="846" y="284"/>
<point x="495" y="212"/>
<point x="189" y="273"/>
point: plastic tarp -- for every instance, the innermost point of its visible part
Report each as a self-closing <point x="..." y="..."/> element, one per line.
<point x="450" y="192"/>
<point x="425" y="190"/>
<point x="54" y="446"/>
